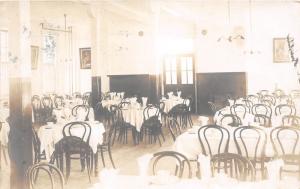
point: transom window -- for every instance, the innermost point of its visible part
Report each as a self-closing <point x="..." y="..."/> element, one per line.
<point x="179" y="70"/>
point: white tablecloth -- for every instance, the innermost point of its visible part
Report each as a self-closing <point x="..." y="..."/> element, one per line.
<point x="249" y="118"/>
<point x="189" y="144"/>
<point x="66" y="112"/>
<point x="4" y="113"/>
<point x="108" y="103"/>
<point x="170" y="103"/>
<point x="50" y="135"/>
<point x="134" y="116"/>
<point x="218" y="182"/>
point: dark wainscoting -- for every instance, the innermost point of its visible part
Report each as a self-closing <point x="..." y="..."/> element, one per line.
<point x="96" y="94"/>
<point x="216" y="87"/>
<point x="141" y="85"/>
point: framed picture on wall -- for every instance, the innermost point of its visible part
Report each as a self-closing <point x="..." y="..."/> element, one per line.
<point x="34" y="57"/>
<point x="85" y="58"/>
<point x="281" y="52"/>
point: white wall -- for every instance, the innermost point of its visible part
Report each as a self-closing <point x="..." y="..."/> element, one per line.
<point x="65" y="76"/>
<point x="269" y="20"/>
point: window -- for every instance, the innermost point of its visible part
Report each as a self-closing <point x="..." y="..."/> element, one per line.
<point x="186" y="70"/>
<point x="3" y="46"/>
<point x="171" y="73"/>
<point x="49" y="48"/>
<point x="179" y="70"/>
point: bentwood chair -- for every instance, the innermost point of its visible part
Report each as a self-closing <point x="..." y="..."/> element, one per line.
<point x="262" y="109"/>
<point x="290" y="120"/>
<point x="214" y="139"/>
<point x="75" y="145"/>
<point x="253" y="98"/>
<point x="263" y="120"/>
<point x="179" y="112"/>
<point x="253" y="147"/>
<point x="230" y="120"/>
<point x="286" y="141"/>
<point x="38" y="170"/>
<point x="285" y="109"/>
<point x="239" y="110"/>
<point x="81" y="112"/>
<point x="47" y="108"/>
<point x="188" y="102"/>
<point x="179" y="164"/>
<point x="234" y="165"/>
<point x="37" y="109"/>
<point x="59" y="101"/>
<point x="152" y="127"/>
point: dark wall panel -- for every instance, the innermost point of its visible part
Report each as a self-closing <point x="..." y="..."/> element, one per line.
<point x="217" y="87"/>
<point x="140" y="85"/>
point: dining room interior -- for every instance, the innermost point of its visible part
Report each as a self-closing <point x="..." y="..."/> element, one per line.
<point x="149" y="94"/>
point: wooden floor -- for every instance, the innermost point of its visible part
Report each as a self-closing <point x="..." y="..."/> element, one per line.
<point x="124" y="156"/>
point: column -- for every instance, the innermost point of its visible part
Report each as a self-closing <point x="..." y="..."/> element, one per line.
<point x="100" y="66"/>
<point x="20" y="136"/>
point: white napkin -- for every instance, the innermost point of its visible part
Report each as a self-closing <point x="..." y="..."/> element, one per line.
<point x="170" y="94"/>
<point x="205" y="168"/>
<point x="179" y="94"/>
<point x="143" y="163"/>
<point x="144" y="99"/>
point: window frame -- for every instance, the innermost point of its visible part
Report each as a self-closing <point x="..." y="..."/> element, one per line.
<point x="179" y="69"/>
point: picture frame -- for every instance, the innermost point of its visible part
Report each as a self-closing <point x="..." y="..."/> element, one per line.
<point x="34" y="57"/>
<point x="281" y="52"/>
<point x="85" y="58"/>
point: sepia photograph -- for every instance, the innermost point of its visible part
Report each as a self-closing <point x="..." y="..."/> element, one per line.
<point x="85" y="58"/>
<point x="149" y="94"/>
<point x="281" y="50"/>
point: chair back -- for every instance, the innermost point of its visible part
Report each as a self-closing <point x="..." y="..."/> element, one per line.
<point x="34" y="172"/>
<point x="81" y="112"/>
<point x="262" y="109"/>
<point x="253" y="98"/>
<point x="179" y="158"/>
<point x="234" y="165"/>
<point x="285" y="140"/>
<point x="58" y="101"/>
<point x="214" y="139"/>
<point x="285" y="109"/>
<point x="290" y="120"/>
<point x="78" y="129"/>
<point x="151" y="111"/>
<point x="263" y="120"/>
<point x="270" y="99"/>
<point x="239" y="110"/>
<point x="250" y="142"/>
<point x="230" y="120"/>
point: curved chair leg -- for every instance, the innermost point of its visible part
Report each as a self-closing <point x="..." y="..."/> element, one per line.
<point x="102" y="157"/>
<point x="88" y="166"/>
<point x="110" y="157"/>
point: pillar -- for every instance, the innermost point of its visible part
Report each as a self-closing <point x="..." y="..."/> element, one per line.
<point x="20" y="136"/>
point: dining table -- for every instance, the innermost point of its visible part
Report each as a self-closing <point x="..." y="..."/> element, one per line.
<point x="171" y="102"/>
<point x="170" y="182"/>
<point x="188" y="142"/>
